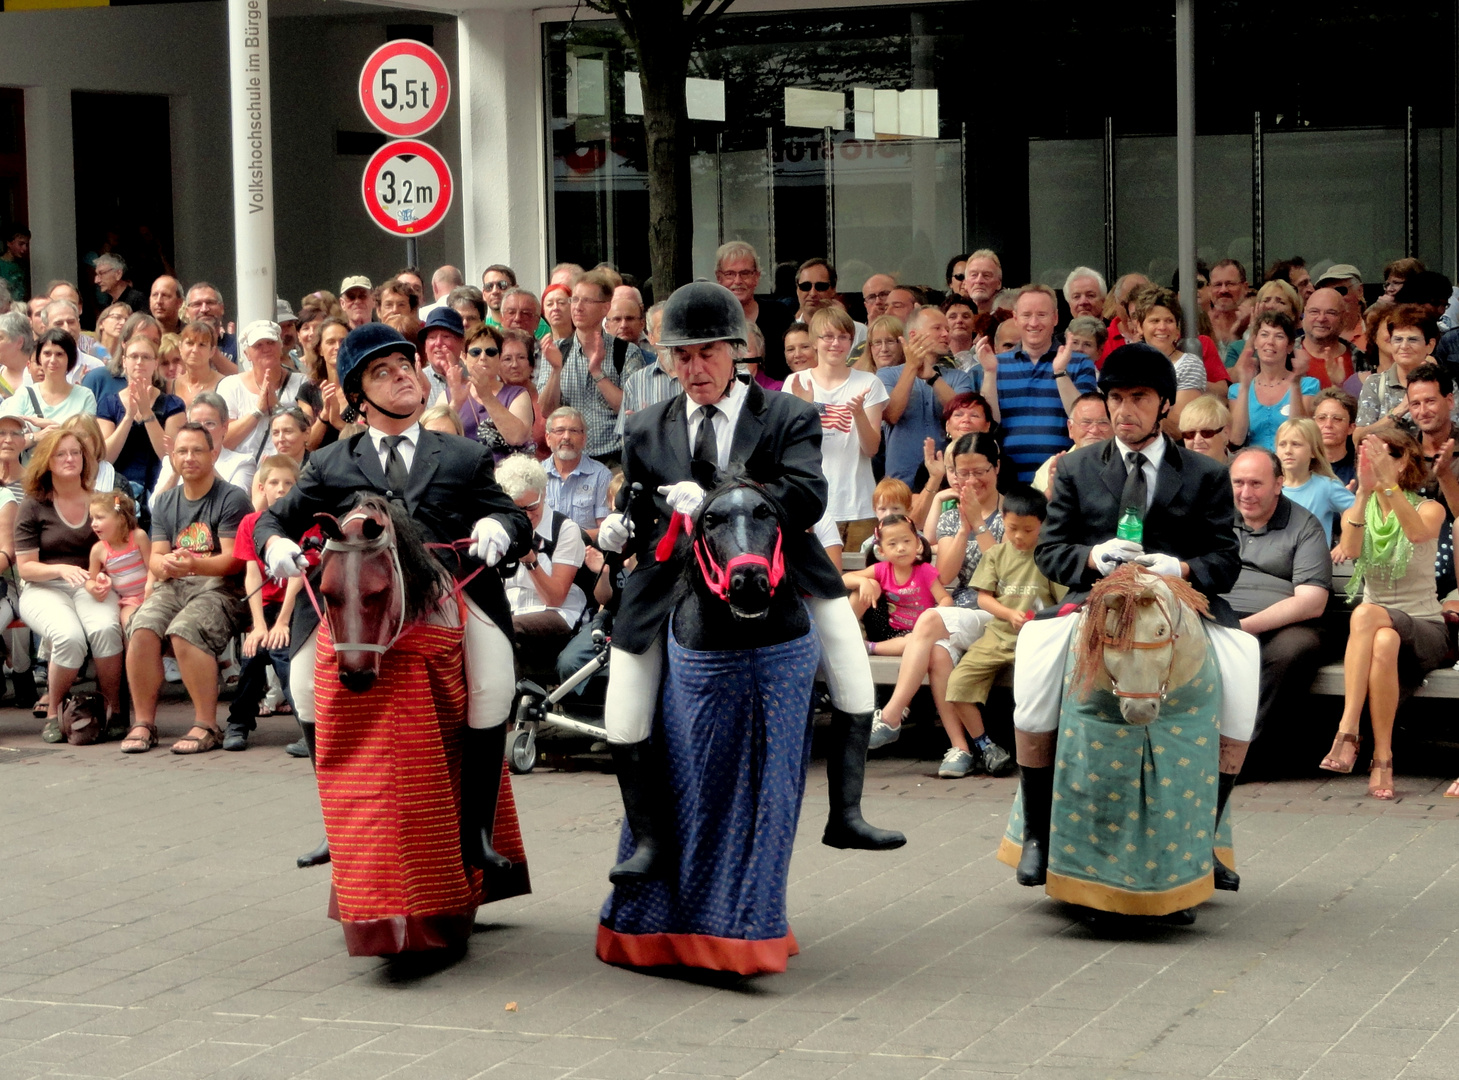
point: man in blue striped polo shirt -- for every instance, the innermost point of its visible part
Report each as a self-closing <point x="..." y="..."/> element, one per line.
<point x="1038" y="385"/>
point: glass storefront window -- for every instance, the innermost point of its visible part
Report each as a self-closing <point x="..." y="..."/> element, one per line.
<point x="1065" y="207"/>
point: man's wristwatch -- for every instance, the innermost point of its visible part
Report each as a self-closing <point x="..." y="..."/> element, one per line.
<point x="1063" y="374"/>
<point x="930" y="379"/>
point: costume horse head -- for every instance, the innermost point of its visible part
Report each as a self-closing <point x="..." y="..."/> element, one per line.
<point x="1140" y="638"/>
<point x="735" y="572"/>
<point x="375" y="579"/>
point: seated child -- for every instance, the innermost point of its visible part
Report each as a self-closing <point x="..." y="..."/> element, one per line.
<point x="119" y="556"/>
<point x="890" y="497"/>
<point x="271" y="605"/>
<point x="889" y="595"/>
<point x="1012" y="589"/>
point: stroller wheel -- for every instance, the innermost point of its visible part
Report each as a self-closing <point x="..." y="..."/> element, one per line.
<point x="523" y="754"/>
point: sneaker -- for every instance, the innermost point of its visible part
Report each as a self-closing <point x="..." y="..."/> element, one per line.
<point x="170" y="671"/>
<point x="883" y="734"/>
<point x="955" y="764"/>
<point x="996" y="760"/>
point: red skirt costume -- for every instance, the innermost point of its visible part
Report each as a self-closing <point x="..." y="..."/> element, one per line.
<point x="388" y="763"/>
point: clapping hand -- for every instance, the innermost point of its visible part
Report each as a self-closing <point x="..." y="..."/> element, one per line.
<point x="931" y="459"/>
<point x="987" y="358"/>
<point x="1061" y="358"/>
<point x="550" y="352"/>
<point x="1245" y="367"/>
<point x="1381" y="463"/>
<point x="801" y="388"/>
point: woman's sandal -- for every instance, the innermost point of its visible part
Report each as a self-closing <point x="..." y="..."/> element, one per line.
<point x="1335" y="762"/>
<point x="211" y="739"/>
<point x="1381" y="771"/>
<point x="134" y="744"/>
<point x="1453" y="792"/>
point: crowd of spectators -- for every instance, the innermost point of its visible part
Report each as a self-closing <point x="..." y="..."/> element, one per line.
<point x="133" y="455"/>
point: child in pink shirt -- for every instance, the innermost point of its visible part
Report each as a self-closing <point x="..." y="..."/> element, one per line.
<point x="889" y="594"/>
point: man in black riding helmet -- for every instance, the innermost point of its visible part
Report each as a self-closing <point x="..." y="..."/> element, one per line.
<point x="1183" y="504"/>
<point x="447" y="484"/>
<point x="674" y="450"/>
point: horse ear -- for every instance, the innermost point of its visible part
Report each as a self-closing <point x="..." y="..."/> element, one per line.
<point x="372" y="528"/>
<point x="329" y="526"/>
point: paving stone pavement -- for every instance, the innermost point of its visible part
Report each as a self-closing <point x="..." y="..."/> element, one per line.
<point x="154" y="927"/>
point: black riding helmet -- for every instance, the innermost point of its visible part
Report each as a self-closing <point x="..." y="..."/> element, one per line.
<point x="1139" y="365"/>
<point x="701" y="312"/>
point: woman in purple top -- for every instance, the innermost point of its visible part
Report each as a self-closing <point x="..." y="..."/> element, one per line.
<point x="493" y="413"/>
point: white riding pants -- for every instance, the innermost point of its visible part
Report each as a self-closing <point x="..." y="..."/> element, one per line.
<point x="1038" y="675"/>
<point x="633" y="679"/>
<point x="490" y="679"/>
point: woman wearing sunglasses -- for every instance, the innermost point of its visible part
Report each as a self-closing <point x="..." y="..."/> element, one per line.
<point x="493" y="413"/>
<point x="1205" y="426"/>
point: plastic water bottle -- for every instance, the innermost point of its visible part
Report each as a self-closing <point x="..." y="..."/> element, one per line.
<point x="1132" y="525"/>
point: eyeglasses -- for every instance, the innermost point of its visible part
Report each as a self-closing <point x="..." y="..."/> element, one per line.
<point x="9" y="434"/>
<point x="1205" y="433"/>
<point x="530" y="505"/>
<point x="739" y="275"/>
<point x="1090" y="425"/>
<point x="959" y="277"/>
<point x="831" y="339"/>
<point x="483" y="350"/>
<point x="976" y="474"/>
<point x="567" y="431"/>
<point x="581" y="301"/>
<point x="1406" y="341"/>
<point x="1341" y="290"/>
<point x="819" y="286"/>
<point x="876" y="297"/>
<point x="490" y="285"/>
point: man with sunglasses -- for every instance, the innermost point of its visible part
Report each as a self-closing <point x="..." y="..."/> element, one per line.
<point x="496" y="279"/>
<point x="815" y="285"/>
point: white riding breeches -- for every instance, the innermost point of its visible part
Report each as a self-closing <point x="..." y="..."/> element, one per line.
<point x="1043" y="646"/>
<point x="633" y="679"/>
<point x="490" y="682"/>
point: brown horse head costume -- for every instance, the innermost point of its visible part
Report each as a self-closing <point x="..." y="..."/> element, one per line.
<point x="1140" y="637"/>
<point x="375" y="579"/>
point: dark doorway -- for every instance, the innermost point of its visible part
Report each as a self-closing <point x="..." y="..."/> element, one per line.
<point x="123" y="192"/>
<point x="13" y="201"/>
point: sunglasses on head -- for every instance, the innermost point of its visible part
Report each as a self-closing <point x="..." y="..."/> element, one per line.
<point x="819" y="286"/>
<point x="1205" y="433"/>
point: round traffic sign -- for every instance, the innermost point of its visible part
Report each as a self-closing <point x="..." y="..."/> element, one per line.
<point x="404" y="88"/>
<point x="407" y="187"/>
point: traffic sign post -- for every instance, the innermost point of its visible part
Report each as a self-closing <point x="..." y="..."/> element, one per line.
<point x="404" y="89"/>
<point x="407" y="188"/>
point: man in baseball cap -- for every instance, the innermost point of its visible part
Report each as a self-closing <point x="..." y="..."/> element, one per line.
<point x="357" y="298"/>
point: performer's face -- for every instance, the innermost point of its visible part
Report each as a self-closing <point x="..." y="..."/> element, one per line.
<point x="705" y="370"/>
<point x="1135" y="413"/>
<point x="392" y="382"/>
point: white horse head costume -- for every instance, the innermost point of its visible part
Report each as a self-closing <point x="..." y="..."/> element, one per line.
<point x="1140" y="637"/>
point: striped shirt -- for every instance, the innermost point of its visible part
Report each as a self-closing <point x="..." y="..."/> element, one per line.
<point x="647" y="386"/>
<point x="1035" y="424"/>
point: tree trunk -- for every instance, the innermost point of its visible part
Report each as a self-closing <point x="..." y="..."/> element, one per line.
<point x="661" y="38"/>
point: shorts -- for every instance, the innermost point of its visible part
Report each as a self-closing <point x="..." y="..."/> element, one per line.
<point x="202" y="611"/>
<point x="878" y="625"/>
<point x="1424" y="646"/>
<point x="973" y="677"/>
<point x="964" y="626"/>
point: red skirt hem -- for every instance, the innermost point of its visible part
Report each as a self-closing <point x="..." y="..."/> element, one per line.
<point x="696" y="950"/>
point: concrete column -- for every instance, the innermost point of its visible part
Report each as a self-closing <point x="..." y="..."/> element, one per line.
<point x="1185" y="161"/>
<point x="253" y="159"/>
<point x="51" y="178"/>
<point x="503" y="215"/>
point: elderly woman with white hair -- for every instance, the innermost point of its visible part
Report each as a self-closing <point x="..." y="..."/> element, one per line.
<point x="546" y="605"/>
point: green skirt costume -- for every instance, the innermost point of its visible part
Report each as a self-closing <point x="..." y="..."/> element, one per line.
<point x="1133" y="828"/>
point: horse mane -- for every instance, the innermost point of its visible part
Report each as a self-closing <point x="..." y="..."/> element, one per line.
<point x="425" y="579"/>
<point x="1122" y="584"/>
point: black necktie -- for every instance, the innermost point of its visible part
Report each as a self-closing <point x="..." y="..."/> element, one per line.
<point x="1135" y="487"/>
<point x="396" y="475"/>
<point x="706" y="444"/>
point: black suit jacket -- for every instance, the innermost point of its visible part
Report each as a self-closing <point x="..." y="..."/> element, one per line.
<point x="777" y="441"/>
<point x="452" y="486"/>
<point x="1189" y="518"/>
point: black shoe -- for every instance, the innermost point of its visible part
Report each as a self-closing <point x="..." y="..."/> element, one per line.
<point x="318" y="857"/>
<point x="1037" y="786"/>
<point x="1227" y="880"/>
<point x="481" y="780"/>
<point x="649" y="819"/>
<point x="298" y="748"/>
<point x="845" y="776"/>
<point x="235" y="736"/>
<point x="996" y="760"/>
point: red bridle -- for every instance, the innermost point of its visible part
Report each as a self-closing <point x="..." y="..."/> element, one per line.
<point x="715" y="576"/>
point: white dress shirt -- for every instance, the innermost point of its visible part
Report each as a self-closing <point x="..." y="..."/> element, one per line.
<point x="725" y="419"/>
<point x="406" y="447"/>
<point x="1153" y="452"/>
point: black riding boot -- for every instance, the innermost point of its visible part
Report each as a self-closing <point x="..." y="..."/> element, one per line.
<point x="1227" y="880"/>
<point x="320" y="855"/>
<point x="481" y="781"/>
<point x="1037" y="787"/>
<point x="649" y="819"/>
<point x="845" y="775"/>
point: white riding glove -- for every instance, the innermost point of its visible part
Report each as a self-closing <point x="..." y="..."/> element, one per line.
<point x="614" y="533"/>
<point x="285" y="560"/>
<point x="683" y="497"/>
<point x="489" y="541"/>
<point x="1112" y="554"/>
<point x="1156" y="563"/>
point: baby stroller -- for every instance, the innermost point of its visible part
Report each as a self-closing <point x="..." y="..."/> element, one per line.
<point x="534" y="706"/>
